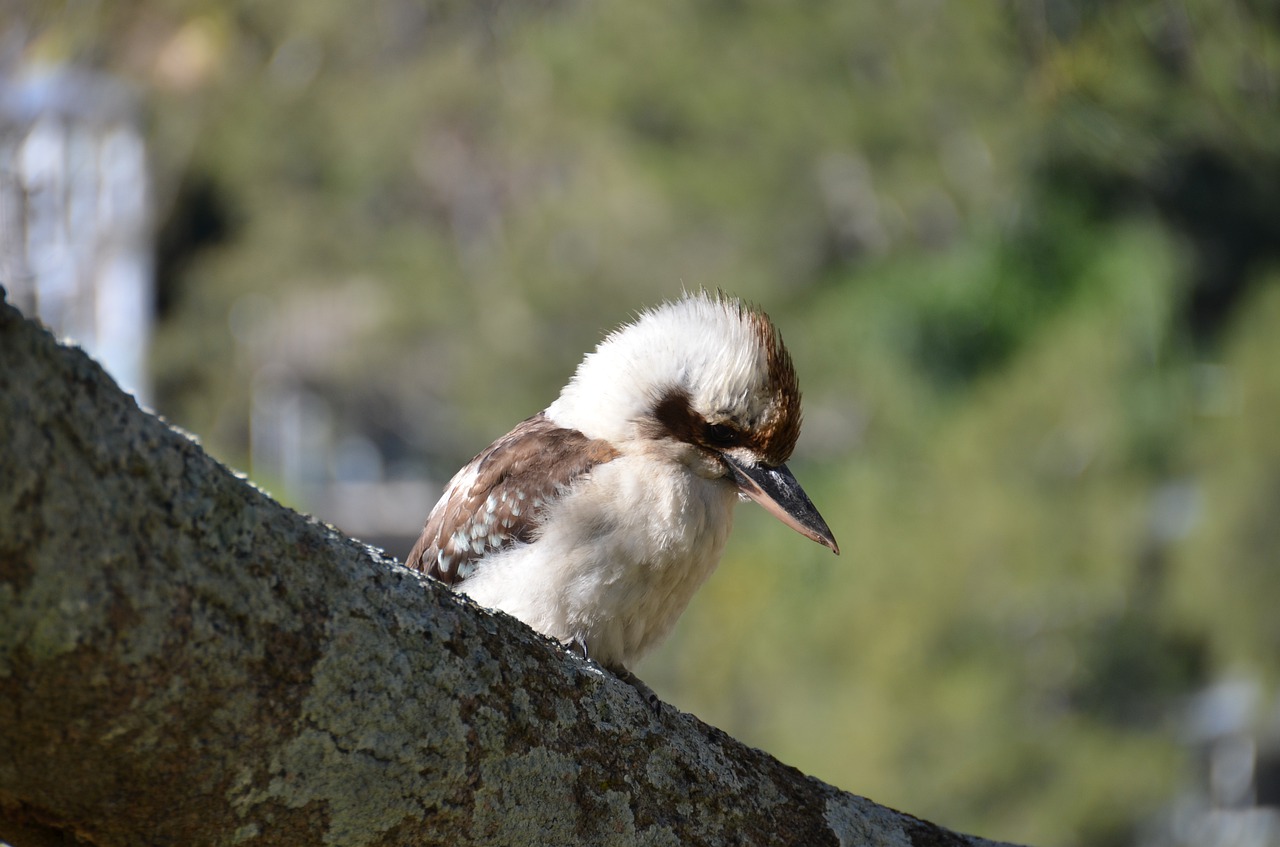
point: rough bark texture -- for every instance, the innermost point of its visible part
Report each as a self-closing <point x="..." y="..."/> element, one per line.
<point x="184" y="661"/>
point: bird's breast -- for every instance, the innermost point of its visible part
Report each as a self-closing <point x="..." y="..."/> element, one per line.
<point x="618" y="558"/>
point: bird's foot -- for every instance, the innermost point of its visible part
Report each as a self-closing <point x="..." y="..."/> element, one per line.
<point x="646" y="693"/>
<point x="577" y="645"/>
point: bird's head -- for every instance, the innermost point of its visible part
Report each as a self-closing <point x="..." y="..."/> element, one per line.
<point x="707" y="380"/>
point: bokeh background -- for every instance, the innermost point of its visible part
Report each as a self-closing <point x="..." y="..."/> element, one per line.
<point x="1025" y="255"/>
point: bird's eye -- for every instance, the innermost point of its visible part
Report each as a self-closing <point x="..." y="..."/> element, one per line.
<point x="722" y="435"/>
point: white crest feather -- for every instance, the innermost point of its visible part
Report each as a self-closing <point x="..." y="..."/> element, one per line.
<point x="706" y="345"/>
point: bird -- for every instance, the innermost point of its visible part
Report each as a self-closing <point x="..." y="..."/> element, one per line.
<point x="597" y="519"/>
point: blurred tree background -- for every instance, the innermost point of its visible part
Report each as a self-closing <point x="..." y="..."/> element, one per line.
<point x="1025" y="256"/>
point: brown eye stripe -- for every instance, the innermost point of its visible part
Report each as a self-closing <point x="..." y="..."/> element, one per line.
<point x="722" y="435"/>
<point x="675" y="418"/>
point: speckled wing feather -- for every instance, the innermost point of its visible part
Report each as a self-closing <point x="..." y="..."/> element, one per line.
<point x="499" y="498"/>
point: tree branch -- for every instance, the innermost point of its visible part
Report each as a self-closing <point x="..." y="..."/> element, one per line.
<point x="183" y="660"/>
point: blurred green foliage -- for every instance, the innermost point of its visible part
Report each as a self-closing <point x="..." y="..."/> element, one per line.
<point x="1025" y="255"/>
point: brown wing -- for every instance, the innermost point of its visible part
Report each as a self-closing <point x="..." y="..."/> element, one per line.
<point x="499" y="498"/>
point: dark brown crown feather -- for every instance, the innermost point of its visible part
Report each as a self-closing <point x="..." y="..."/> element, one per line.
<point x="776" y="437"/>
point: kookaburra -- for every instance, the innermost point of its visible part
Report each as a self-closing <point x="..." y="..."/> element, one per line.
<point x="595" y="520"/>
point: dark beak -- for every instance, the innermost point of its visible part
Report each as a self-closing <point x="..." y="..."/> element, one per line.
<point x="777" y="490"/>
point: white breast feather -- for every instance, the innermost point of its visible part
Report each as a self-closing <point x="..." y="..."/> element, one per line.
<point x="618" y="561"/>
